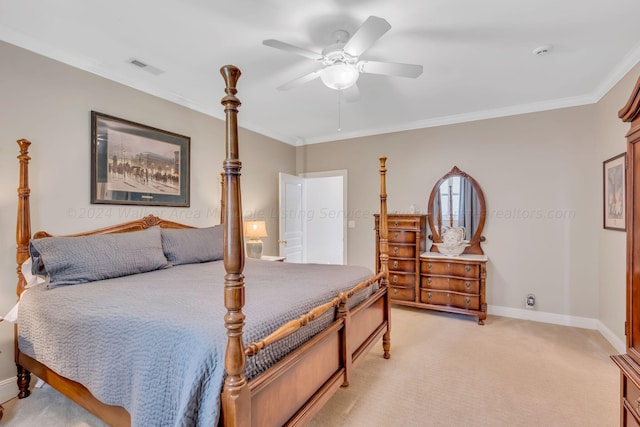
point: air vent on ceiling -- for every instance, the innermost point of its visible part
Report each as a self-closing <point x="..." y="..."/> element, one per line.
<point x="146" y="67"/>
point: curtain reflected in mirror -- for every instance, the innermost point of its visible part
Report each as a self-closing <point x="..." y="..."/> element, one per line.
<point x="457" y="205"/>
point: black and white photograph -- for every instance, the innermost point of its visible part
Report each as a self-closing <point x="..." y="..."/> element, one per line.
<point x="137" y="164"/>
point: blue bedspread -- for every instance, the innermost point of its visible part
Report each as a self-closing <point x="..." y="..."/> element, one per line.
<point x="154" y="343"/>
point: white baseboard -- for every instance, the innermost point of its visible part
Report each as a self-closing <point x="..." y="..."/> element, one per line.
<point x="617" y="343"/>
<point x="560" y="319"/>
<point x="8" y="389"/>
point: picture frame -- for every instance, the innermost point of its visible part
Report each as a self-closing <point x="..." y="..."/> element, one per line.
<point x="614" y="175"/>
<point x="136" y="164"/>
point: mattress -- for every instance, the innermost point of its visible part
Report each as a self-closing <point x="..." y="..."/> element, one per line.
<point x="154" y="343"/>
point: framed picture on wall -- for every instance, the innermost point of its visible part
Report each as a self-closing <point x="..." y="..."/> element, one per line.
<point x="134" y="164"/>
<point x="614" y="176"/>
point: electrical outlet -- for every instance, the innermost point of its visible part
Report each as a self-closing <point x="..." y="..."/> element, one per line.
<point x="530" y="301"/>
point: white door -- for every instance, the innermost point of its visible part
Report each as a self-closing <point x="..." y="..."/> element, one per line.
<point x="292" y="218"/>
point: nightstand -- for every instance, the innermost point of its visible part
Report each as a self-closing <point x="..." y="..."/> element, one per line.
<point x="273" y="258"/>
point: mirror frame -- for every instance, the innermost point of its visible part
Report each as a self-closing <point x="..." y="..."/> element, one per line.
<point x="477" y="238"/>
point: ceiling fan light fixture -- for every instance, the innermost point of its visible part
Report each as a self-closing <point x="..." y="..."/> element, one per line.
<point x="339" y="76"/>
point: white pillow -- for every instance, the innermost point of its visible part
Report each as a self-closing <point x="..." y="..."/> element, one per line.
<point x="12" y="315"/>
<point x="29" y="277"/>
<point x="32" y="280"/>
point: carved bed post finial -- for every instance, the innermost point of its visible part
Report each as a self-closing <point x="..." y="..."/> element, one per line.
<point x="384" y="253"/>
<point x="235" y="394"/>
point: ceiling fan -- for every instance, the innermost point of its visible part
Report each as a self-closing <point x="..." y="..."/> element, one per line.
<point x="341" y="60"/>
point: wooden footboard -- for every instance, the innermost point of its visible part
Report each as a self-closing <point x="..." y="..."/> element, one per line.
<point x="292" y="391"/>
<point x="323" y="364"/>
<point x="288" y="393"/>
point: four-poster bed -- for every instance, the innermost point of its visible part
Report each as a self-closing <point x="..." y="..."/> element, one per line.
<point x="287" y="390"/>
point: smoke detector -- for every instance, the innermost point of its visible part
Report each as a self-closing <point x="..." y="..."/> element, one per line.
<point x="542" y="50"/>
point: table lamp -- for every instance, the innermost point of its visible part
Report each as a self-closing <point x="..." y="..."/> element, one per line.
<point x="253" y="231"/>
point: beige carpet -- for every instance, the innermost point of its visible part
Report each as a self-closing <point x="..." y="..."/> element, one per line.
<point x="444" y="370"/>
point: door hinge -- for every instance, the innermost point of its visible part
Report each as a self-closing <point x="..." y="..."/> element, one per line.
<point x="626" y="328"/>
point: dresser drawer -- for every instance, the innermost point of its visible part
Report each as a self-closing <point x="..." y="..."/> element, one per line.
<point x="402" y="279"/>
<point x="448" y="284"/>
<point x="405" y="294"/>
<point x="632" y="396"/>
<point x="403" y="223"/>
<point x="448" y="268"/>
<point x="399" y="236"/>
<point x="402" y="251"/>
<point x="402" y="264"/>
<point x="469" y="302"/>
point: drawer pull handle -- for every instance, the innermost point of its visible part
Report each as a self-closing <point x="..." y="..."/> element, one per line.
<point x="468" y="268"/>
<point x="429" y="280"/>
<point x="396" y="223"/>
<point x="395" y="235"/>
<point x="395" y="250"/>
<point x="428" y="294"/>
<point x="467" y="300"/>
<point x="467" y="284"/>
<point x="429" y="266"/>
<point x="395" y="291"/>
<point x="395" y="264"/>
<point x="395" y="279"/>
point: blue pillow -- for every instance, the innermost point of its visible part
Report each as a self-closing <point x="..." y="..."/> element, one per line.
<point x="73" y="260"/>
<point x="193" y="245"/>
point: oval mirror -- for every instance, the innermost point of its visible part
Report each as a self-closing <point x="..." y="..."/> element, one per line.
<point x="457" y="202"/>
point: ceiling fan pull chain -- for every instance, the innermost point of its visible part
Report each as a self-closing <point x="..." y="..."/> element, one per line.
<point x="339" y="110"/>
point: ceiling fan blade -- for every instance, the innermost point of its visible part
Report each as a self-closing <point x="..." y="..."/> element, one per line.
<point x="351" y="94"/>
<point x="300" y="80"/>
<point x="372" y="29"/>
<point x="292" y="49"/>
<point x="390" y="69"/>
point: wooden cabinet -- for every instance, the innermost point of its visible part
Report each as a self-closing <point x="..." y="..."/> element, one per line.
<point x="629" y="363"/>
<point x="406" y="242"/>
<point x="454" y="284"/>
<point x="428" y="279"/>
<point x="629" y="391"/>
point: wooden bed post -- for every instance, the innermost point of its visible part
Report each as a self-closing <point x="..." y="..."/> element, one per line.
<point x="23" y="235"/>
<point x="236" y="399"/>
<point x="384" y="254"/>
<point x="23" y="225"/>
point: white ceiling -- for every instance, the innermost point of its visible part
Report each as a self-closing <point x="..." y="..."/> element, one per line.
<point x="477" y="56"/>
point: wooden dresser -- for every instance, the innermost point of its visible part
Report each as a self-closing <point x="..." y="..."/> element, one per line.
<point x="629" y="363"/>
<point x="453" y="284"/>
<point x="406" y="241"/>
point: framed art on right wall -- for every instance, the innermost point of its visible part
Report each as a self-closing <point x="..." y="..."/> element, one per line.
<point x="614" y="181"/>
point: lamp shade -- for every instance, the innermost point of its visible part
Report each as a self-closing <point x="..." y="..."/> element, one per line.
<point x="255" y="229"/>
<point x="339" y="76"/>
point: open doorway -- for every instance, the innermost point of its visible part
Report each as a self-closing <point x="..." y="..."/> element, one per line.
<point x="313" y="223"/>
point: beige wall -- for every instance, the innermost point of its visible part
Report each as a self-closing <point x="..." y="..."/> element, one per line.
<point x="610" y="134"/>
<point x="49" y="103"/>
<point x="540" y="174"/>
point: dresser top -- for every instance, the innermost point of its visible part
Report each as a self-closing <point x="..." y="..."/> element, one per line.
<point x="464" y="257"/>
